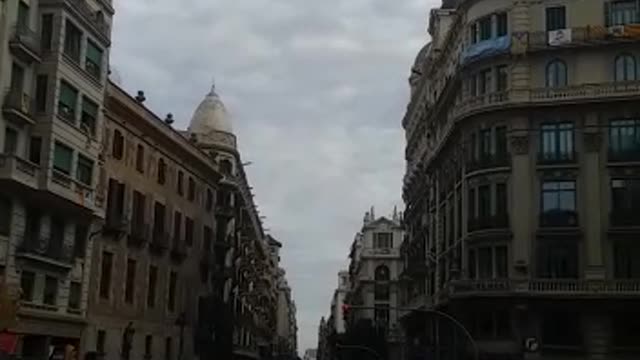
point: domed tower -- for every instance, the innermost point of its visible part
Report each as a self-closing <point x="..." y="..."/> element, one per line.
<point x="211" y="130"/>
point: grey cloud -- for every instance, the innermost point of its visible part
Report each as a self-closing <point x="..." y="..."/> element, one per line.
<point x="317" y="90"/>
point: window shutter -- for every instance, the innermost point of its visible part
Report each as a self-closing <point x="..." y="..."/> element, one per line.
<point x="148" y="215"/>
<point x="151" y="165"/>
<point x="168" y="229"/>
<point x="68" y="95"/>
<point x="197" y="233"/>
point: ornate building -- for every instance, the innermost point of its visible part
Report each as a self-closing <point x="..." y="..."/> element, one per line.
<point x="53" y="76"/>
<point x="522" y="166"/>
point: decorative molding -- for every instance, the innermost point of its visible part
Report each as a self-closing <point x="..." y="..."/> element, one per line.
<point x="592" y="141"/>
<point x="520" y="144"/>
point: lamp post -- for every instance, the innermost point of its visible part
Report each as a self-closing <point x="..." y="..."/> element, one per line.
<point x="181" y="321"/>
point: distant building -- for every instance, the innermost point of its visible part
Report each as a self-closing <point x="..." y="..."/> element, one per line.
<point x="310" y="354"/>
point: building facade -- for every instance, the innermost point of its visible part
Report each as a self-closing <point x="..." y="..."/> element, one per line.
<point x="53" y="66"/>
<point x="522" y="163"/>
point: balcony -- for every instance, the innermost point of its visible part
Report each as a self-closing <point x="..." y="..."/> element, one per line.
<point x="115" y="224"/>
<point x="25" y="44"/>
<point x="178" y="250"/>
<point x="139" y="234"/>
<point x="492" y="222"/>
<point x="583" y="37"/>
<point x="488" y="161"/>
<point x="559" y="219"/>
<point x="381" y="253"/>
<point x="556" y="158"/>
<point x="72" y="190"/>
<point x="41" y="250"/>
<point x="545" y="287"/>
<point x="160" y="242"/>
<point x="630" y="155"/>
<point x="18" y="170"/>
<point x="18" y="107"/>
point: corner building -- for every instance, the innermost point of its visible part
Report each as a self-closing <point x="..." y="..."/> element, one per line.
<point x="53" y="76"/>
<point x="522" y="178"/>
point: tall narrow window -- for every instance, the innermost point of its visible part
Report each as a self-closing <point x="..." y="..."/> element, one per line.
<point x="5" y="215"/>
<point x="624" y="140"/>
<point x="556" y="18"/>
<point x="27" y="285"/>
<point x="42" y="84"/>
<point x="383" y="240"/>
<point x="138" y="214"/>
<point x="556" y="142"/>
<point x="22" y="22"/>
<point x="559" y="203"/>
<point x="72" y="41"/>
<point x="485" y="263"/>
<point x="501" y="141"/>
<point x="130" y="281"/>
<point x="177" y="227"/>
<point x="209" y="200"/>
<point x="188" y="230"/>
<point x="50" y="295"/>
<point x="502" y="267"/>
<point x="84" y="170"/>
<point x="57" y="232"/>
<point x="622" y="12"/>
<point x="93" y="60"/>
<point x="503" y="78"/>
<point x="485" y="28"/>
<point x="471" y="203"/>
<point x="207" y="239"/>
<point x="501" y="199"/>
<point x="485" y="86"/>
<point x="625" y="68"/>
<point x="10" y="140"/>
<point x="556" y="74"/>
<point x="162" y="170"/>
<point x="168" y="349"/>
<point x="62" y="158"/>
<point x="148" y="346"/>
<point x="67" y="102"/>
<point x="191" y="189"/>
<point x="46" y="31"/>
<point x="101" y="340"/>
<point x="75" y="295"/>
<point x="484" y="202"/>
<point x="17" y="78"/>
<point x="89" y="116"/>
<point x="173" y="279"/>
<point x="117" y="147"/>
<point x="180" y="183"/>
<point x="105" y="274"/>
<point x="140" y="158"/>
<point x="80" y="240"/>
<point x="502" y="24"/>
<point x="151" y="287"/>
<point x="35" y="148"/>
<point x="472" y="264"/>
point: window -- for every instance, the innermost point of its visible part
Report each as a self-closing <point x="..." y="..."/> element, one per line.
<point x="485" y="262"/>
<point x="191" y="189"/>
<point x="486" y="148"/>
<point x="622" y="12"/>
<point x="57" y="235"/>
<point x="502" y="267"/>
<point x="503" y="78"/>
<point x="501" y="141"/>
<point x="117" y="148"/>
<point x="67" y="102"/>
<point x="180" y="184"/>
<point x="472" y="264"/>
<point x="472" y="204"/>
<point x="556" y="18"/>
<point x="74" y="295"/>
<point x="35" y="148"/>
<point x="168" y="349"/>
<point x="173" y="279"/>
<point x="93" y="60"/>
<point x="501" y="199"/>
<point x="559" y="203"/>
<point x="89" y="116"/>
<point x="557" y="259"/>
<point x="159" y="219"/>
<point x="130" y="281"/>
<point x="151" y="290"/>
<point x="46" y="31"/>
<point x="383" y="240"/>
<point x="138" y="208"/>
<point x="5" y="216"/>
<point x="101" y="340"/>
<point x="502" y="24"/>
<point x="27" y="283"/>
<point x="381" y="315"/>
<point x="22" y="22"/>
<point x="32" y="224"/>
<point x="84" y="170"/>
<point x="62" y="158"/>
<point x="209" y="201"/>
<point x="473" y="33"/>
<point x="162" y="169"/>
<point x="488" y="325"/>
<point x="177" y="227"/>
<point x="50" y="295"/>
<point x="484" y="26"/>
<point x="17" y="78"/>
<point x="140" y="158"/>
<point x="625" y="265"/>
<point x="80" y="240"/>
<point x="105" y="274"/>
<point x="382" y="273"/>
<point x="556" y="74"/>
<point x="484" y="202"/>
<point x="226" y="167"/>
<point x="626" y="328"/>
<point x="148" y="346"/>
<point x="625" y="68"/>
<point x="484" y="82"/>
<point x="624" y="139"/>
<point x="625" y="196"/>
<point x="207" y="238"/>
<point x="72" y="41"/>
<point x="10" y="140"/>
<point x="115" y="200"/>
<point x="188" y="230"/>
<point x="556" y="142"/>
<point x="42" y="87"/>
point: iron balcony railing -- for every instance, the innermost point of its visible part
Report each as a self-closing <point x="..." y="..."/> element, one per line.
<point x="498" y="221"/>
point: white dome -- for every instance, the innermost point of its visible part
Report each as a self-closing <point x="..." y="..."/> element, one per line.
<point x="211" y="115"/>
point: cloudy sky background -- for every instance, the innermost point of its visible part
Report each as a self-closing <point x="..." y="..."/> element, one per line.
<point x="317" y="90"/>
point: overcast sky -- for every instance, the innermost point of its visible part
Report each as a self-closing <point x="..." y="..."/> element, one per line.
<point x="317" y="91"/>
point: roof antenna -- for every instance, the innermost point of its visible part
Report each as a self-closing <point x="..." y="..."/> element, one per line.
<point x="213" y="86"/>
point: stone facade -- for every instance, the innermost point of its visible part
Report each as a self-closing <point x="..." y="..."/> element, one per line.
<point x="519" y="161"/>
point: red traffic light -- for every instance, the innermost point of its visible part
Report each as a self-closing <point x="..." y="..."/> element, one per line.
<point x="346" y="308"/>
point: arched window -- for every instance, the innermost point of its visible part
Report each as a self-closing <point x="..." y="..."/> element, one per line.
<point x="625" y="68"/>
<point x="556" y="73"/>
<point x="381" y="276"/>
<point x="162" y="171"/>
<point x="117" y="147"/>
<point x="382" y="273"/>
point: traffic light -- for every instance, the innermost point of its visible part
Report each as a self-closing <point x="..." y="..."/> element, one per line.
<point x="346" y="311"/>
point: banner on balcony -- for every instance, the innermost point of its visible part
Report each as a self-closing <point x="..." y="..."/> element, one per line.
<point x="559" y="37"/>
<point x="486" y="48"/>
